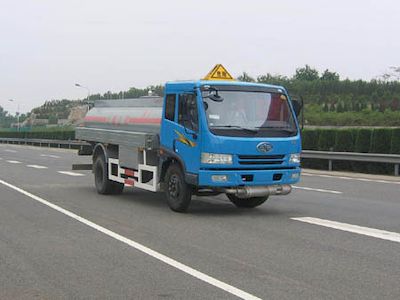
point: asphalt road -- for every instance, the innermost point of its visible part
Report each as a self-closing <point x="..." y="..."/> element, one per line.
<point x="60" y="239"/>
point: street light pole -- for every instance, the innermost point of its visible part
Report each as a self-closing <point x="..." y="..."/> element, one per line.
<point x="17" y="112"/>
<point x="84" y="87"/>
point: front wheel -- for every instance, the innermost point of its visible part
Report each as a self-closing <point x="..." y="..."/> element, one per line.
<point x="247" y="202"/>
<point x="178" y="192"/>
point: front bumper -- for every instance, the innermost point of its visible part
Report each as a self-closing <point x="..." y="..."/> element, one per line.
<point x="248" y="177"/>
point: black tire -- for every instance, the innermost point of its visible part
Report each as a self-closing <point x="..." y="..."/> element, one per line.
<point x="103" y="185"/>
<point x="246" y="202"/>
<point x="178" y="192"/>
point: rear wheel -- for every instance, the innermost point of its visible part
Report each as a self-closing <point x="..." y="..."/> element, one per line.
<point x="247" y="202"/>
<point x="103" y="184"/>
<point x="178" y="192"/>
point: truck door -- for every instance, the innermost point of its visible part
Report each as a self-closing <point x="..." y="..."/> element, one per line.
<point x="187" y="138"/>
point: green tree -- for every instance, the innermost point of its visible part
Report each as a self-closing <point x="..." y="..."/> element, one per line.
<point x="246" y="77"/>
<point x="328" y="99"/>
<point x="306" y="73"/>
<point x="330" y="76"/>
<point x="340" y="107"/>
<point x="6" y="119"/>
<point x="3" y="113"/>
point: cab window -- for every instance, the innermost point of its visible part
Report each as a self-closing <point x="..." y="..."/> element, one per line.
<point x="187" y="112"/>
<point x="170" y="107"/>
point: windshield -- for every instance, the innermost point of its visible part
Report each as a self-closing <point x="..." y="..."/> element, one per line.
<point x="250" y="111"/>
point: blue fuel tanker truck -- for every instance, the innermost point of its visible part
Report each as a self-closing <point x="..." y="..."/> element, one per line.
<point x="204" y="138"/>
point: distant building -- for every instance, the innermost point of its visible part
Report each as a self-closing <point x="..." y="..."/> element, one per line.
<point x="62" y="122"/>
<point x="40" y="122"/>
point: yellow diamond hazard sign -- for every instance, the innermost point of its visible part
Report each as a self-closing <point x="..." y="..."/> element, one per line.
<point x="218" y="73"/>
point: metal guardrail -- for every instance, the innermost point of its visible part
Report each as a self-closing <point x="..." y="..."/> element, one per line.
<point x="67" y="144"/>
<point x="354" y="156"/>
<point x="326" y="155"/>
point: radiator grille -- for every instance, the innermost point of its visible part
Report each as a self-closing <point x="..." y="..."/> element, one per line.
<point x="261" y="159"/>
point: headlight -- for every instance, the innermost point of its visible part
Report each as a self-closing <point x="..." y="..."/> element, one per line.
<point x="294" y="158"/>
<point x="214" y="158"/>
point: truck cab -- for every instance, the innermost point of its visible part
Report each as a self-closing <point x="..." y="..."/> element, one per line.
<point x="232" y="137"/>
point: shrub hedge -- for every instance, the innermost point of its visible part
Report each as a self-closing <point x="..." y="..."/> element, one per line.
<point x="380" y="143"/>
<point x="362" y="145"/>
<point x="326" y="140"/>
<point x="344" y="142"/>
<point x="395" y="141"/>
<point x="310" y="139"/>
<point x="365" y="140"/>
<point x="49" y="134"/>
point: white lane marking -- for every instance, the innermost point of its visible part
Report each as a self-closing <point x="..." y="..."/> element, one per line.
<point x="351" y="178"/>
<point x="316" y="190"/>
<point x="157" y="255"/>
<point x="36" y="167"/>
<point x="0" y="158"/>
<point x="9" y="150"/>
<point x="70" y="173"/>
<point x="49" y="155"/>
<point x="377" y="233"/>
<point x="13" y="161"/>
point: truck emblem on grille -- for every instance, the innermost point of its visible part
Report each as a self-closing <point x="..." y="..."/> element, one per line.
<point x="264" y="147"/>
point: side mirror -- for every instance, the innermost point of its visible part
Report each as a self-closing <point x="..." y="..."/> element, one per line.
<point x="297" y="106"/>
<point x="215" y="97"/>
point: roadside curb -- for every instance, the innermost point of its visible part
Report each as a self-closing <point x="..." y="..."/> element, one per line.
<point x="352" y="175"/>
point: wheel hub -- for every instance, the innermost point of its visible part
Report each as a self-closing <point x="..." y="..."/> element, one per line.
<point x="174" y="186"/>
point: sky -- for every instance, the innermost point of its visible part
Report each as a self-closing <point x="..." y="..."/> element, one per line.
<point x="46" y="46"/>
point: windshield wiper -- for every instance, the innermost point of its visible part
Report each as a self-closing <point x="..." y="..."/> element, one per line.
<point x="286" y="129"/>
<point x="253" y="130"/>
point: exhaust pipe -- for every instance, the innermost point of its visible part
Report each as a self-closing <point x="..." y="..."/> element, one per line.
<point x="260" y="191"/>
